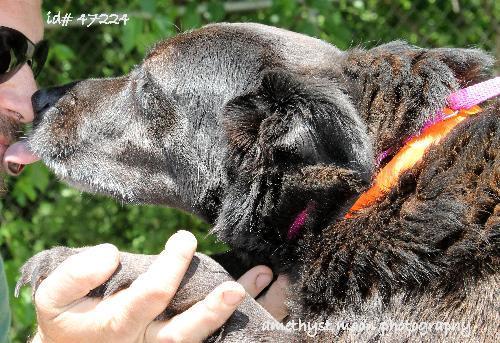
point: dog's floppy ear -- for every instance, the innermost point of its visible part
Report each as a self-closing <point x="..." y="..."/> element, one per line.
<point x="275" y="133"/>
<point x="292" y="120"/>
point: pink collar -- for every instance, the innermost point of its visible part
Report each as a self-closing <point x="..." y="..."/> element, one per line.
<point x="474" y="95"/>
<point x="462" y="99"/>
<point x="300" y="220"/>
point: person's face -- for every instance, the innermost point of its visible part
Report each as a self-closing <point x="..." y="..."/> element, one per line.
<point x="15" y="93"/>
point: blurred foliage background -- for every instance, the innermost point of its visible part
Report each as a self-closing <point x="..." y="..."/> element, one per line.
<point x="39" y="212"/>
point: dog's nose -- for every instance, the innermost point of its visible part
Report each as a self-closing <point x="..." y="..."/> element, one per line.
<point x="41" y="101"/>
<point x="46" y="98"/>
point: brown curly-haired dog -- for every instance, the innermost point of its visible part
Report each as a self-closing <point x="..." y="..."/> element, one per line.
<point x="271" y="136"/>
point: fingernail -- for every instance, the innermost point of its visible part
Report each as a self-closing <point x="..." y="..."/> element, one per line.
<point x="104" y="249"/>
<point x="184" y="235"/>
<point x="103" y="254"/>
<point x="232" y="297"/>
<point x="180" y="237"/>
<point x="263" y="280"/>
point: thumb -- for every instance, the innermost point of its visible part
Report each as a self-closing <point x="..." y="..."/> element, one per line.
<point x="256" y="279"/>
<point x="274" y="301"/>
<point x="75" y="278"/>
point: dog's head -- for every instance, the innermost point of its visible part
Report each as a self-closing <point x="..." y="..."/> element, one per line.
<point x="109" y="136"/>
<point x="238" y="124"/>
<point x="196" y="114"/>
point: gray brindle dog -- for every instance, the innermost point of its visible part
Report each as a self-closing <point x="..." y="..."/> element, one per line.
<point x="248" y="126"/>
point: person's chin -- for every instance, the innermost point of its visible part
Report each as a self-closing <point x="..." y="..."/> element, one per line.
<point x="10" y="130"/>
<point x="3" y="189"/>
<point x="3" y="148"/>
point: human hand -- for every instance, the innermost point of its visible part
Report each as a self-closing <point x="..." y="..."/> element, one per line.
<point x="258" y="278"/>
<point x="65" y="314"/>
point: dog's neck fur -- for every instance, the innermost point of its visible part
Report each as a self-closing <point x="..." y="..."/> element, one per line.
<point x="273" y="199"/>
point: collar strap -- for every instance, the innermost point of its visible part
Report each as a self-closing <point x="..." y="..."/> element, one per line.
<point x="474" y="95"/>
<point x="461" y="104"/>
<point x="300" y="220"/>
<point x="408" y="156"/>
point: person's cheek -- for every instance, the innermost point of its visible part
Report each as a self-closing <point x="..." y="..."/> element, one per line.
<point x="15" y="95"/>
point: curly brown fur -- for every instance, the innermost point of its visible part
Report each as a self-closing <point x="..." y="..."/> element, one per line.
<point x="433" y="242"/>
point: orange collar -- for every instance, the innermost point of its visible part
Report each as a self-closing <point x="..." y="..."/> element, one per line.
<point x="408" y="156"/>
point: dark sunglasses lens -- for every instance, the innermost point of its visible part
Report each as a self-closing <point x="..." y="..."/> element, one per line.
<point x="40" y="57"/>
<point x="5" y="58"/>
<point x="13" y="48"/>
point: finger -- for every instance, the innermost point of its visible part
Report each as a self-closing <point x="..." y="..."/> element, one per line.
<point x="256" y="279"/>
<point x="274" y="299"/>
<point x="202" y="319"/>
<point x="75" y="277"/>
<point x="150" y="294"/>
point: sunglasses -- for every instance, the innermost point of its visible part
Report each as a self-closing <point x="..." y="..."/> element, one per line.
<point x="16" y="49"/>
